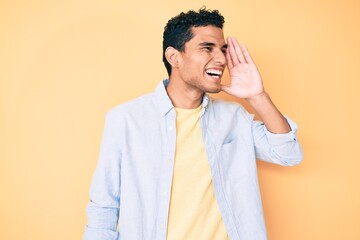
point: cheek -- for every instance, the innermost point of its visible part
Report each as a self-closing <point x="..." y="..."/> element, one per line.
<point x="199" y="64"/>
<point x="194" y="64"/>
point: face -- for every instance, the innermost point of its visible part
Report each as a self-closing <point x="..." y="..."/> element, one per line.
<point x="202" y="64"/>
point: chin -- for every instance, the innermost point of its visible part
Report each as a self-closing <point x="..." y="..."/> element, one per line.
<point x="213" y="90"/>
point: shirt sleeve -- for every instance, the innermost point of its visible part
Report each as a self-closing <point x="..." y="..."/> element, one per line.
<point x="281" y="148"/>
<point x="103" y="208"/>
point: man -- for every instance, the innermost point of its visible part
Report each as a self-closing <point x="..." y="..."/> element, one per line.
<point x="176" y="164"/>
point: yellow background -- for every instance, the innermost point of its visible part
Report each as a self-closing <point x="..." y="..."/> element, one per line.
<point x="63" y="64"/>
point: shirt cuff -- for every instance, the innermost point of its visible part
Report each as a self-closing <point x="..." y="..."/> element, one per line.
<point x="97" y="234"/>
<point x="281" y="138"/>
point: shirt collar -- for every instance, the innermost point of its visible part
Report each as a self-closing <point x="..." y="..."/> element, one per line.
<point x="164" y="102"/>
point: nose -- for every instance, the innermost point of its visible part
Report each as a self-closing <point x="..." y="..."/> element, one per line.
<point x="220" y="58"/>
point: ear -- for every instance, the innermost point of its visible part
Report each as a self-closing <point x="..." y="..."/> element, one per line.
<point x="172" y="56"/>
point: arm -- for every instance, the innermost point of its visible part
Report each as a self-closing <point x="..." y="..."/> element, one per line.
<point x="246" y="83"/>
<point x="279" y="148"/>
<point x="274" y="139"/>
<point x="103" y="209"/>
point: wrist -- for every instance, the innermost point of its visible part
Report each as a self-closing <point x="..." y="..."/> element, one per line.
<point x="258" y="99"/>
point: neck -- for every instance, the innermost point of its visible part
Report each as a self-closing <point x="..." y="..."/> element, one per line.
<point x="183" y="96"/>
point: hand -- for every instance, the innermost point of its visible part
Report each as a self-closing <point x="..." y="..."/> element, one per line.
<point x="246" y="81"/>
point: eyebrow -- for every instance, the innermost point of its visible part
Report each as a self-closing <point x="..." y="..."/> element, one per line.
<point x="210" y="44"/>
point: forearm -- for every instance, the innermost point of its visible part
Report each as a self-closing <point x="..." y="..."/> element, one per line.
<point x="274" y="121"/>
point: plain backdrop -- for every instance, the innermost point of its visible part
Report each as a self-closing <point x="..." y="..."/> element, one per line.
<point x="64" y="64"/>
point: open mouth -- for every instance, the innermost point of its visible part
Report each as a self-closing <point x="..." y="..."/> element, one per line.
<point x="214" y="73"/>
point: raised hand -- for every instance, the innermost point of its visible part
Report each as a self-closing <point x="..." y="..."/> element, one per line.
<point x="246" y="81"/>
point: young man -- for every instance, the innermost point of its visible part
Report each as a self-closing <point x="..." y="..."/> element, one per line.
<point x="176" y="164"/>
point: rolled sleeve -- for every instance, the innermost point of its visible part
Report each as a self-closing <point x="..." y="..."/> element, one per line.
<point x="103" y="208"/>
<point x="281" y="138"/>
<point x="102" y="223"/>
<point x="95" y="234"/>
<point x="279" y="148"/>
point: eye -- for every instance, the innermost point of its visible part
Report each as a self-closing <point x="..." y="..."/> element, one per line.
<point x="209" y="49"/>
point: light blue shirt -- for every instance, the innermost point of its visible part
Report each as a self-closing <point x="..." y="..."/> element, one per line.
<point x="131" y="187"/>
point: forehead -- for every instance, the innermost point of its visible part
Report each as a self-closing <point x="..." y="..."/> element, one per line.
<point x="208" y="34"/>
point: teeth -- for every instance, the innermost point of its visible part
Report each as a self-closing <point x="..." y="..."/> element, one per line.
<point x="214" y="72"/>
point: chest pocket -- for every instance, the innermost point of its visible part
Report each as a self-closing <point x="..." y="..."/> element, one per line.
<point x="236" y="155"/>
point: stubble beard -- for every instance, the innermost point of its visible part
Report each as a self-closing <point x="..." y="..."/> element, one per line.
<point x="206" y="87"/>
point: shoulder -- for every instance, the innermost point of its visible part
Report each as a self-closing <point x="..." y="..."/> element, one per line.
<point x="230" y="109"/>
<point x="131" y="107"/>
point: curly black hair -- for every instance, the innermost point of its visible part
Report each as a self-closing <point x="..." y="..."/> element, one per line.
<point x="178" y="29"/>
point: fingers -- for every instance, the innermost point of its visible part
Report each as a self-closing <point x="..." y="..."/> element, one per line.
<point x="246" y="54"/>
<point x="233" y="54"/>
<point x="228" y="59"/>
<point x="236" y="53"/>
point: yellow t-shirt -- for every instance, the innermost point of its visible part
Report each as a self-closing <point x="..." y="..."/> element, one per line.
<point x="194" y="213"/>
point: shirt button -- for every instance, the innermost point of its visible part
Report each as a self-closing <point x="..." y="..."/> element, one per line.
<point x="165" y="194"/>
<point x="169" y="160"/>
<point x="162" y="226"/>
<point x="170" y="127"/>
